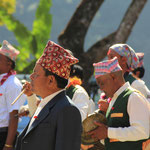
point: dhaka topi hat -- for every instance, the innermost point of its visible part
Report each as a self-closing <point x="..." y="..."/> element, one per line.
<point x="9" y="51"/>
<point x="57" y="60"/>
<point x="126" y="51"/>
<point x="107" y="66"/>
<point x="141" y="57"/>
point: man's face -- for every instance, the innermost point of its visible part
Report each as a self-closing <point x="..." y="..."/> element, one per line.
<point x="106" y="84"/>
<point x="38" y="80"/>
<point x="4" y="64"/>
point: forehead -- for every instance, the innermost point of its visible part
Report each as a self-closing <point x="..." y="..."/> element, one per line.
<point x="111" y="54"/>
<point x="102" y="78"/>
<point x="38" y="68"/>
<point x="3" y="57"/>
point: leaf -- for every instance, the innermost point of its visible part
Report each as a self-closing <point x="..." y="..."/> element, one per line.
<point x="31" y="43"/>
<point x="42" y="25"/>
<point x="9" y="6"/>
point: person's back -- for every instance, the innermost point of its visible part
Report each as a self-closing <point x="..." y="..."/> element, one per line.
<point x="78" y="94"/>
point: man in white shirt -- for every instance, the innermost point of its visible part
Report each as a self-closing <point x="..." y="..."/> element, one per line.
<point x="128" y="61"/>
<point x="78" y="94"/>
<point x="128" y="116"/>
<point x="56" y="123"/>
<point x="10" y="88"/>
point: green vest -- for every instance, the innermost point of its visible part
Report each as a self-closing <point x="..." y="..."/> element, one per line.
<point x="70" y="91"/>
<point x="130" y="78"/>
<point x="118" y="117"/>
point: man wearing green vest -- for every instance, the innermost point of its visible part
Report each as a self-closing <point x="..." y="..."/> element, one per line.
<point x="77" y="93"/>
<point x="128" y="115"/>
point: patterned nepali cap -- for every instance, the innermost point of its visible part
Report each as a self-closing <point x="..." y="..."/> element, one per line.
<point x="105" y="67"/>
<point x="126" y="51"/>
<point x="8" y="50"/>
<point x="141" y="57"/>
<point x="57" y="60"/>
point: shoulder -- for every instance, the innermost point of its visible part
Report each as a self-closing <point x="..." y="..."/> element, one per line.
<point x="63" y="101"/>
<point x="64" y="104"/>
<point x="13" y="80"/>
<point x="138" y="82"/>
<point x="80" y="90"/>
<point x="12" y="83"/>
<point x="136" y="96"/>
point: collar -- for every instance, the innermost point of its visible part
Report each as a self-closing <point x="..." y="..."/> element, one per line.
<point x="48" y="98"/>
<point x="120" y="90"/>
<point x="3" y="74"/>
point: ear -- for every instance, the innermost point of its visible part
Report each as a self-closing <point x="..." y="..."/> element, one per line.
<point x="9" y="63"/>
<point x="137" y="73"/>
<point x="50" y="79"/>
<point x="112" y="76"/>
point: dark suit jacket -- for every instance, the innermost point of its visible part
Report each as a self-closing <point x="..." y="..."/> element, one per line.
<point x="57" y="127"/>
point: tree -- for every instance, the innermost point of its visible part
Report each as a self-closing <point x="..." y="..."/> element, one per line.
<point x="31" y="43"/>
<point x="10" y="7"/>
<point x="74" y="34"/>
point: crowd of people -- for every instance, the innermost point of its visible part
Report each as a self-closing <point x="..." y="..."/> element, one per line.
<point x="58" y="103"/>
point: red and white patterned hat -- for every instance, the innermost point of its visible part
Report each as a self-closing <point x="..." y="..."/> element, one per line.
<point x="107" y="66"/>
<point x="57" y="60"/>
<point x="8" y="50"/>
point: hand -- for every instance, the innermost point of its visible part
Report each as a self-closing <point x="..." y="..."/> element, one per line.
<point x="99" y="133"/>
<point x="27" y="87"/>
<point x="86" y="147"/>
<point x="23" y="111"/>
<point x="103" y="105"/>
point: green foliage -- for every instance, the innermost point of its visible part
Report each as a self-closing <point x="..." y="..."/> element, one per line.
<point x="31" y="43"/>
<point x="9" y="5"/>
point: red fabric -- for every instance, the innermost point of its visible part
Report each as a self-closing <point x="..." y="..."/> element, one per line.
<point x="108" y="52"/>
<point x="57" y="60"/>
<point x="12" y="72"/>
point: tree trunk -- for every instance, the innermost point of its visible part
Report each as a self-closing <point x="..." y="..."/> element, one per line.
<point x="129" y="20"/>
<point x="73" y="36"/>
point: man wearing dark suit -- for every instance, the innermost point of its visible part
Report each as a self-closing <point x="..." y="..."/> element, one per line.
<point x="56" y="124"/>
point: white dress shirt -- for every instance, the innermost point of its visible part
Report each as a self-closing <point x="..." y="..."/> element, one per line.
<point x="10" y="89"/>
<point x="138" y="109"/>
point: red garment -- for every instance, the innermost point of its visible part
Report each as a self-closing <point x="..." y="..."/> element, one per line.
<point x="5" y="77"/>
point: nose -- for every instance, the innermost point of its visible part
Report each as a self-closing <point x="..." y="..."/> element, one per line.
<point x="31" y="76"/>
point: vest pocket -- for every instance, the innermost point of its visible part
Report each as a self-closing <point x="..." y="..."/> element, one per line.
<point x="116" y="115"/>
